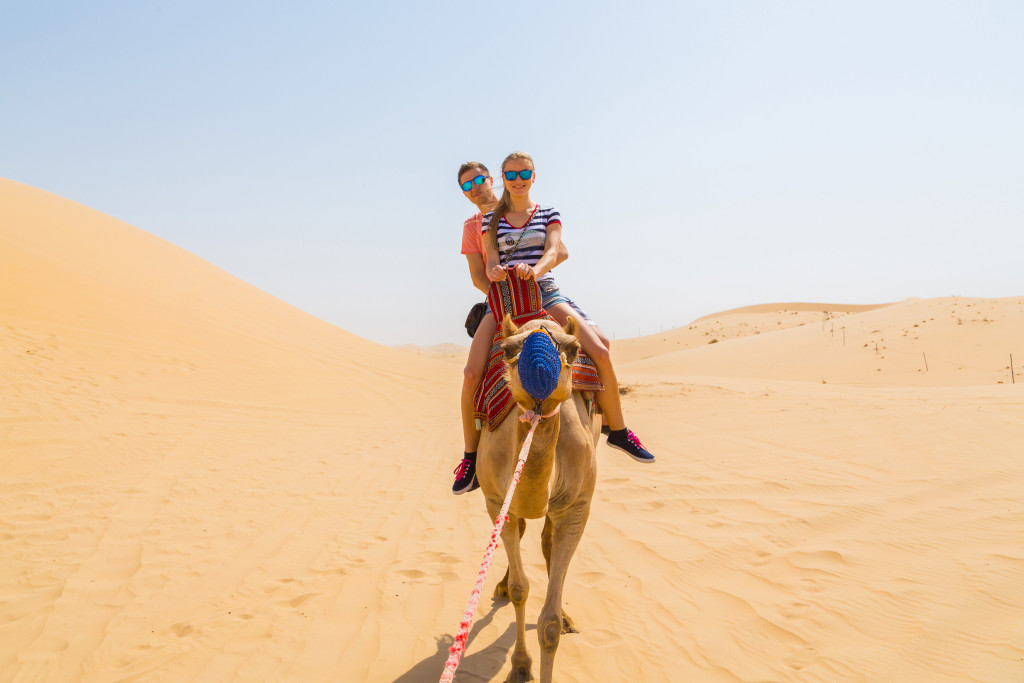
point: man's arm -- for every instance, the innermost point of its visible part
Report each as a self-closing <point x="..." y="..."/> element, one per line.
<point x="476" y="271"/>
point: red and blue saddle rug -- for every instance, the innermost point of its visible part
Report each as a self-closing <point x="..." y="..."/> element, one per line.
<point x="520" y="299"/>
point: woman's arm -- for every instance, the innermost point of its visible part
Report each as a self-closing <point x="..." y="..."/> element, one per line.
<point x="552" y="242"/>
<point x="495" y="273"/>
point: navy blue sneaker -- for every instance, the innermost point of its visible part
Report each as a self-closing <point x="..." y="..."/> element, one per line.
<point x="465" y="475"/>
<point x="625" y="440"/>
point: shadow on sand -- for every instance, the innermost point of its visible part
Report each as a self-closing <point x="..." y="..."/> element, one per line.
<point x="474" y="666"/>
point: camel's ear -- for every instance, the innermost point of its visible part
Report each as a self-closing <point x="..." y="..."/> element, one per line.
<point x="571" y="327"/>
<point x="508" y="328"/>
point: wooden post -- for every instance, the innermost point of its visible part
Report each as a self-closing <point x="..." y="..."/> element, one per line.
<point x="925" y="361"/>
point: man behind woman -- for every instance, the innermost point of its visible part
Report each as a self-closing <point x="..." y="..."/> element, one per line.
<point x="515" y="231"/>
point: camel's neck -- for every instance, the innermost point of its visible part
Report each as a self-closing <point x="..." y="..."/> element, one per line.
<point x="534" y="483"/>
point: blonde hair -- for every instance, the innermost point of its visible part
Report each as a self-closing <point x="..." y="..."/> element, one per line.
<point x="504" y="204"/>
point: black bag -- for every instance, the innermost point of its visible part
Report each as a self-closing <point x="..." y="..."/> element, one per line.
<point x="476" y="314"/>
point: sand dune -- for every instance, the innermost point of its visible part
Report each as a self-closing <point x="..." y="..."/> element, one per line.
<point x="732" y="324"/>
<point x="169" y="435"/>
<point x="449" y="352"/>
<point x="203" y="483"/>
<point x="935" y="342"/>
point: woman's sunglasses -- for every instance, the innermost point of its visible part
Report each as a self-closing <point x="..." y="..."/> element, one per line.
<point x="525" y="175"/>
<point x="468" y="185"/>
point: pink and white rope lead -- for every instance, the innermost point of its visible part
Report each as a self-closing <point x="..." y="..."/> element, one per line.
<point x="456" y="650"/>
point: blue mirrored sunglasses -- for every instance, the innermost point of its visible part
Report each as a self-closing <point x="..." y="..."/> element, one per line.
<point x="525" y="175"/>
<point x="468" y="185"/>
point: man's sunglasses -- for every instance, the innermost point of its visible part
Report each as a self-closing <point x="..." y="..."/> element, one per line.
<point x="468" y="185"/>
<point x="525" y="175"/>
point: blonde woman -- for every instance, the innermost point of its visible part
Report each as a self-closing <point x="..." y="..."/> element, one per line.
<point x="521" y="233"/>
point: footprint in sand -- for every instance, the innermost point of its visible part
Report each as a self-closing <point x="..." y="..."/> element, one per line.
<point x="412" y="573"/>
<point x="801" y="658"/>
<point x="821" y="560"/>
<point x="589" y="579"/>
<point x="439" y="556"/>
<point x="422" y="577"/>
<point x="52" y="646"/>
<point x="182" y="630"/>
<point x="601" y="637"/>
<point x="296" y="602"/>
<point x="795" y="610"/>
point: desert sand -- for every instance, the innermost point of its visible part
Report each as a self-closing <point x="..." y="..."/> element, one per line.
<point x="202" y="483"/>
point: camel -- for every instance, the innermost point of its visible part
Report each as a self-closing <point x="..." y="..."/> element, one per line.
<point x="557" y="484"/>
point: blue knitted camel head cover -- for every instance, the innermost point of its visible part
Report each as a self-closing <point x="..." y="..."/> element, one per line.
<point x="539" y="364"/>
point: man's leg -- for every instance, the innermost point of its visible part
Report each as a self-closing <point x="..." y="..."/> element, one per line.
<point x="473" y="374"/>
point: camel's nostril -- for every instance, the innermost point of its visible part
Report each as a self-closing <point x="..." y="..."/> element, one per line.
<point x="539" y="365"/>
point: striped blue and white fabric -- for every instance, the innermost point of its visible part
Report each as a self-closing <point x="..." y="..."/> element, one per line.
<point x="531" y="237"/>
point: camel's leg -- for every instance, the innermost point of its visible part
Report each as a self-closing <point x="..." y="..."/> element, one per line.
<point x="568" y="625"/>
<point x="518" y="591"/>
<point x="501" y="590"/>
<point x="567" y="529"/>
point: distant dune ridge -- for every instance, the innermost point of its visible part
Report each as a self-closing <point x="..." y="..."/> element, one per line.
<point x="953" y="341"/>
<point x="203" y="483"/>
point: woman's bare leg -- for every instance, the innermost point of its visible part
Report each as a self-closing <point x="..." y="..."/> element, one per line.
<point x="608" y="345"/>
<point x="599" y="353"/>
<point x="618" y="437"/>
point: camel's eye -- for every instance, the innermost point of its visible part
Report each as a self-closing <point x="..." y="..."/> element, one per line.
<point x="511" y="349"/>
<point x="570" y="350"/>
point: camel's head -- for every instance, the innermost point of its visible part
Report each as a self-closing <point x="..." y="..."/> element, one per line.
<point x="540" y="355"/>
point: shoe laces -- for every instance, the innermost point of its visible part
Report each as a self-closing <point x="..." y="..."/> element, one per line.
<point x="633" y="440"/>
<point x="463" y="468"/>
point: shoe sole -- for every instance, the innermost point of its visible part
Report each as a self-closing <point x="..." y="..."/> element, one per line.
<point x="473" y="486"/>
<point x="642" y="461"/>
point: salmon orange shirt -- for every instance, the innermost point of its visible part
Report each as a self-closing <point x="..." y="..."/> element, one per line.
<point x="472" y="236"/>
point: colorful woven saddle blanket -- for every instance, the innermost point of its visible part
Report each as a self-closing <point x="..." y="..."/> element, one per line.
<point x="520" y="299"/>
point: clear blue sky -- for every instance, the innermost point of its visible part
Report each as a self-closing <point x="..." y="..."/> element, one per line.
<point x="703" y="155"/>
